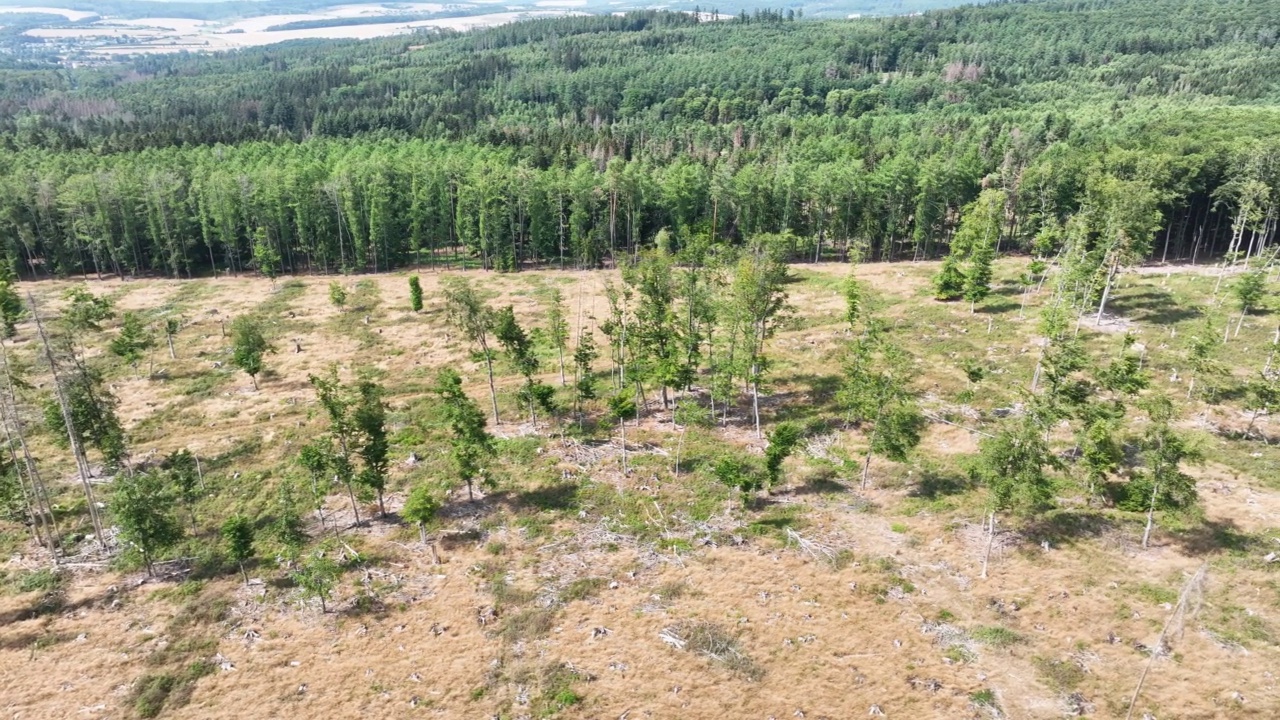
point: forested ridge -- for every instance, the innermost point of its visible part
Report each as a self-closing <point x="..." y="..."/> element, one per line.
<point x="569" y="141"/>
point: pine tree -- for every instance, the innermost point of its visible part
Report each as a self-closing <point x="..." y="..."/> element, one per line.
<point x="415" y="293"/>
<point x="134" y="340"/>
<point x="1161" y="484"/>
<point x="783" y="440"/>
<point x="470" y="442"/>
<point x="337" y="295"/>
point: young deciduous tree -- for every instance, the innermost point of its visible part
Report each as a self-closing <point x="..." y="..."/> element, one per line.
<point x="1161" y="484"/>
<point x="249" y="346"/>
<point x="758" y="298"/>
<point x="142" y="505"/>
<point x="171" y="328"/>
<point x="340" y="449"/>
<point x="1264" y="397"/>
<point x="184" y="476"/>
<point x="237" y="533"/>
<point x="737" y="472"/>
<point x="415" y="293"/>
<point x="420" y="508"/>
<point x="134" y="340"/>
<point x="474" y="319"/>
<point x="1249" y="291"/>
<point x="92" y="411"/>
<point x="316" y="575"/>
<point x="519" y="348"/>
<point x="557" y="327"/>
<point x="876" y="396"/>
<point x="1012" y="466"/>
<point x="470" y="442"/>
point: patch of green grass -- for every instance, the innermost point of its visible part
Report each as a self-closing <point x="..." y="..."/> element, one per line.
<point x="582" y="589"/>
<point x="899" y="528"/>
<point x="996" y="636"/>
<point x="985" y="697"/>
<point x="1062" y="676"/>
<point x="42" y="580"/>
<point x="151" y="692"/>
<point x="776" y="521"/>
<point x="1156" y="594"/>
<point x="958" y="654"/>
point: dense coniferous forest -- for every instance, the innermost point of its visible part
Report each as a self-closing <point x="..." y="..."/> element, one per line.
<point x="568" y="142"/>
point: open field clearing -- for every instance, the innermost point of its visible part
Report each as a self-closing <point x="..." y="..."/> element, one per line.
<point x="573" y="588"/>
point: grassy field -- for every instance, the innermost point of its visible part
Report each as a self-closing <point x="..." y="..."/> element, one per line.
<point x="574" y="590"/>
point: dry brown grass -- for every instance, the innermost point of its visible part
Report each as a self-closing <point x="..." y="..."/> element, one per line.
<point x="532" y="605"/>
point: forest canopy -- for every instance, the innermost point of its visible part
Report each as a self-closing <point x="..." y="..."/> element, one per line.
<point x="566" y="141"/>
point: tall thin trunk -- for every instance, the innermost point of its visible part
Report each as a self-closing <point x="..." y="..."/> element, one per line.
<point x="991" y="540"/>
<point x="82" y="463"/>
<point x="1151" y="511"/>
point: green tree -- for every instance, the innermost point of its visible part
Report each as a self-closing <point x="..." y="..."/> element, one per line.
<point x="266" y="259"/>
<point x="783" y="440"/>
<point x="758" y="298"/>
<point x="1249" y="291"/>
<point x="316" y="575"/>
<point x="183" y="475"/>
<point x="470" y="315"/>
<point x="420" y="508"/>
<point x="1161" y="480"/>
<point x="249" y="346"/>
<point x="948" y="284"/>
<point x="1011" y="464"/>
<point x="84" y="310"/>
<point x="343" y="443"/>
<point x="369" y="416"/>
<point x="977" y="276"/>
<point x="92" y="410"/>
<point x="1263" y="396"/>
<point x="584" y="355"/>
<point x="10" y="309"/>
<point x="557" y="327"/>
<point x="134" y="340"/>
<point x="737" y="472"/>
<point x="142" y="505"/>
<point x="237" y="533"/>
<point x="875" y="395"/>
<point x="415" y="293"/>
<point x="519" y="348"/>
<point x="470" y="443"/>
<point x="337" y="295"/>
<point x="171" y="328"/>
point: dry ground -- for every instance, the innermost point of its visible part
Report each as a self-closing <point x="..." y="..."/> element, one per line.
<point x="838" y="603"/>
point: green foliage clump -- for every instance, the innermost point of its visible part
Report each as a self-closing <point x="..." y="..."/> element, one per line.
<point x="142" y="505"/>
